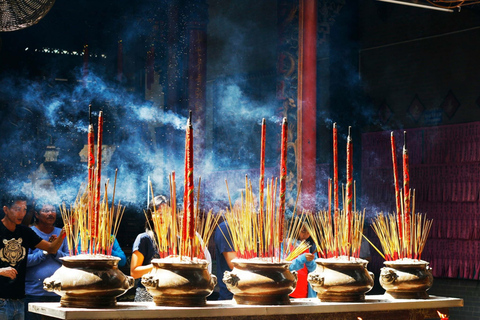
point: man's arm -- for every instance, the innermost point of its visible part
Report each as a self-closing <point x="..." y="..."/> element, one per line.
<point x="229" y="256"/>
<point x="51" y="247"/>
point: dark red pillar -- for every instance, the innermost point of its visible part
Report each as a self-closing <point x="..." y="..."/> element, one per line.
<point x="307" y="97"/>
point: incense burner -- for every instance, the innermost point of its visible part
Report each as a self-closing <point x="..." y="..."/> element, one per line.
<point x="406" y="279"/>
<point x="260" y="282"/>
<point x="89" y="281"/>
<point x="341" y="279"/>
<point x="180" y="283"/>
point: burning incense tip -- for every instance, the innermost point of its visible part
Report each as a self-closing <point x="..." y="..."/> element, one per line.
<point x="334" y="125"/>
<point x="190" y="116"/>
<point x="264" y="121"/>
<point x="404" y="139"/>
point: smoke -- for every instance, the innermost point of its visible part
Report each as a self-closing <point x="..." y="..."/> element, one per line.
<point x="49" y="113"/>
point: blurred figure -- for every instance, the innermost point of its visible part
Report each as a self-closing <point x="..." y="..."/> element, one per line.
<point x="118" y="252"/>
<point x="144" y="250"/>
<point x="41" y="264"/>
<point x="303" y="264"/>
<point x="15" y="241"/>
<point x="224" y="254"/>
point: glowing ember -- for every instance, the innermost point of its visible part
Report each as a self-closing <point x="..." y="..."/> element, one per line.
<point x="442" y="316"/>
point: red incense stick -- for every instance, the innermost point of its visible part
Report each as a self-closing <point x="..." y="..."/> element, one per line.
<point x="406" y="193"/>
<point x="283" y="179"/>
<point x="98" y="172"/>
<point x="262" y="182"/>
<point x="397" y="185"/>
<point x="191" y="211"/>
<point x="349" y="187"/>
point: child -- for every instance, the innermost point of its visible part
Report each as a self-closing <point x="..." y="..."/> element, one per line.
<point x="303" y="264"/>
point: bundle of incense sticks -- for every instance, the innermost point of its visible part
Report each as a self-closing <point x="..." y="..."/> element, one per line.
<point x="91" y="224"/>
<point x="411" y="230"/>
<point x="262" y="234"/>
<point x="168" y="224"/>
<point x="345" y="237"/>
<point x="246" y="227"/>
<point x="395" y="247"/>
<point x="184" y="235"/>
<point x="342" y="235"/>
<point x="77" y="221"/>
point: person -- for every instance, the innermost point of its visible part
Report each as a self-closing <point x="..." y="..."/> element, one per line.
<point x="144" y="251"/>
<point x="15" y="241"/>
<point x="40" y="264"/>
<point x="303" y="264"/>
<point x="365" y="250"/>
<point x="224" y="254"/>
<point x="118" y="252"/>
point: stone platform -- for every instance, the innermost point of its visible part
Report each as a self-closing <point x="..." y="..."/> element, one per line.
<point x="375" y="307"/>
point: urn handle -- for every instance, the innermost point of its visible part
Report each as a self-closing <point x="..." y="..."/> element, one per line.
<point x="295" y="277"/>
<point x="315" y="278"/>
<point x="213" y="280"/>
<point x="230" y="278"/>
<point x="129" y="282"/>
<point x="388" y="275"/>
<point x="149" y="280"/>
<point x="51" y="285"/>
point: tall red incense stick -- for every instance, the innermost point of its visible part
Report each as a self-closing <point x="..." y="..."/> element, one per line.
<point x="174" y="212"/>
<point x="98" y="177"/>
<point x="191" y="211"/>
<point x="397" y="185"/>
<point x="330" y="201"/>
<point x="90" y="167"/>
<point x="262" y="182"/>
<point x="283" y="180"/>
<point x="406" y="194"/>
<point x="185" y="197"/>
<point x="335" y="182"/>
<point x="349" y="187"/>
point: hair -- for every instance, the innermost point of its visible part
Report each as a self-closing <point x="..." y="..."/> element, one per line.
<point x="42" y="202"/>
<point x="10" y="197"/>
<point x="158" y="200"/>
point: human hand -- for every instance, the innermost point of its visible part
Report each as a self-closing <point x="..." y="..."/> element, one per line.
<point x="309" y="256"/>
<point x="8" y="272"/>
<point x="52" y="238"/>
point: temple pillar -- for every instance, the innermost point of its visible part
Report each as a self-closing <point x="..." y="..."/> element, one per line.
<point x="307" y="102"/>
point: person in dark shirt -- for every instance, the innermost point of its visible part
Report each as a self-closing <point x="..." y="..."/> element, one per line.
<point x="15" y="241"/>
<point x="224" y="254"/>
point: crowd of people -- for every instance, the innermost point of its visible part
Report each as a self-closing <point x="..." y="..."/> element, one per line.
<point x="30" y="252"/>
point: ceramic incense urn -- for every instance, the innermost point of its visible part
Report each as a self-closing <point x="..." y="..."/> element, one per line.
<point x="343" y="279"/>
<point x="180" y="283"/>
<point x="406" y="279"/>
<point x="260" y="282"/>
<point x="89" y="281"/>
